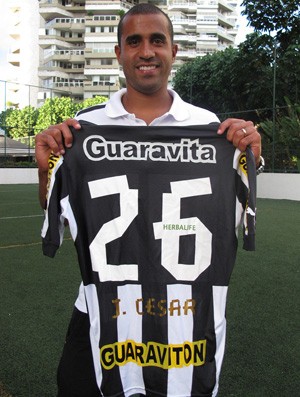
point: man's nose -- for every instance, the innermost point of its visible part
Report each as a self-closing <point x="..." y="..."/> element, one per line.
<point x="146" y="50"/>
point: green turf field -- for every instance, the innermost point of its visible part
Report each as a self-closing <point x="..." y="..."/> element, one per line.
<point x="37" y="295"/>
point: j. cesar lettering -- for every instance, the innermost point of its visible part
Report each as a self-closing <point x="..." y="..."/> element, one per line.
<point x="157" y="307"/>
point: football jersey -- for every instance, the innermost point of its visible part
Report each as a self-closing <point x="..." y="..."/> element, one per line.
<point x="154" y="214"/>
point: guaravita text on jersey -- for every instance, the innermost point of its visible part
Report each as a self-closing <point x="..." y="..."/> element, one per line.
<point x="97" y="148"/>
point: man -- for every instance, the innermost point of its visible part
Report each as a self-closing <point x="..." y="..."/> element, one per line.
<point x="146" y="52"/>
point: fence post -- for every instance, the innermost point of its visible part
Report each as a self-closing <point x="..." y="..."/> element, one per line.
<point x="274" y="104"/>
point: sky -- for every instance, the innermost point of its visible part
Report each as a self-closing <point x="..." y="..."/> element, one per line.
<point x="4" y="44"/>
<point x="243" y="28"/>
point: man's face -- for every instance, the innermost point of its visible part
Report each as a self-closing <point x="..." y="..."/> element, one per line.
<point x="146" y="52"/>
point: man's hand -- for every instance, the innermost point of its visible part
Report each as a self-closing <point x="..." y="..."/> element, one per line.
<point x="53" y="139"/>
<point x="242" y="134"/>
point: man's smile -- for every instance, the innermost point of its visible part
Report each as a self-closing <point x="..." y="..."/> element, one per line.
<point x="147" y="67"/>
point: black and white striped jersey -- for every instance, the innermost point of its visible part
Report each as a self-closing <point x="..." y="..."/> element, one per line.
<point x="154" y="214"/>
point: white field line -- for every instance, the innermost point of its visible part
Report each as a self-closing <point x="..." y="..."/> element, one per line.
<point x="20" y="217"/>
<point x="26" y="245"/>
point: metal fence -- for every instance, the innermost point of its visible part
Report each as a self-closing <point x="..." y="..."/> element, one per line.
<point x="279" y="156"/>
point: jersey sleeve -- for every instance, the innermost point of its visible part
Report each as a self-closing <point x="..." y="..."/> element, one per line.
<point x="250" y="213"/>
<point x="53" y="226"/>
<point x="246" y="195"/>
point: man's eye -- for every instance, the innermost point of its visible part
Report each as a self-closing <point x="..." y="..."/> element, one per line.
<point x="133" y="42"/>
<point x="158" y="41"/>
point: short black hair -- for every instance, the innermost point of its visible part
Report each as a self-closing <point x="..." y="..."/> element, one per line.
<point x="144" y="9"/>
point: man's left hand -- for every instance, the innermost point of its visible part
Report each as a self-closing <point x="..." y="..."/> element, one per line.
<point x="242" y="134"/>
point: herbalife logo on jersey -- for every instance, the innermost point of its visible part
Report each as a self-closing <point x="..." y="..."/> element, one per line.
<point x="97" y="148"/>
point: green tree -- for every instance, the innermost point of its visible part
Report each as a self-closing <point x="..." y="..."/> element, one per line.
<point x="91" y="102"/>
<point x="21" y="122"/>
<point x="288" y="74"/>
<point x="236" y="81"/>
<point x="280" y="16"/>
<point x="229" y="82"/>
<point x="54" y="111"/>
<point x="279" y="22"/>
<point x="287" y="130"/>
<point x="3" y="120"/>
<point x="205" y="80"/>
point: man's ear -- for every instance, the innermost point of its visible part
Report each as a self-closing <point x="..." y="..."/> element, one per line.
<point x="118" y="52"/>
<point x="174" y="51"/>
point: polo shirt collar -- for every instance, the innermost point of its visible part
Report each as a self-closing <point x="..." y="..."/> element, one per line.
<point x="114" y="107"/>
<point x="178" y="111"/>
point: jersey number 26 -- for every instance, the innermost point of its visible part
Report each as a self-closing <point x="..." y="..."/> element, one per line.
<point x="168" y="230"/>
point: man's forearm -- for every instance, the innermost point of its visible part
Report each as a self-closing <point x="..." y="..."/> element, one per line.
<point x="43" y="181"/>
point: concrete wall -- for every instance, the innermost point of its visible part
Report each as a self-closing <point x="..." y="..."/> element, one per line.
<point x="18" y="175"/>
<point x="279" y="186"/>
<point x="273" y="186"/>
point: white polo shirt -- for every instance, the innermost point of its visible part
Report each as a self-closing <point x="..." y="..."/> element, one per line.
<point x="113" y="113"/>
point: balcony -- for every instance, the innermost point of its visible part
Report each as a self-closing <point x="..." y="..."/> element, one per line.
<point x="185" y="6"/>
<point x="102" y="20"/>
<point x="225" y="21"/>
<point x="206" y="4"/>
<point x="67" y="24"/>
<point x="47" y="40"/>
<point x="101" y="87"/>
<point x="207" y="39"/>
<point x="15" y="32"/>
<point x="14" y="59"/>
<point x="73" y="88"/>
<point x="186" y="22"/>
<point x="183" y="54"/>
<point x="48" y="70"/>
<point x="97" y="53"/>
<point x="100" y="37"/>
<point x="95" y="68"/>
<point x="102" y="71"/>
<point x="66" y="55"/>
<point x="51" y="11"/>
<point x="181" y="38"/>
<point x="223" y="33"/>
<point x="207" y="20"/>
<point x="225" y="6"/>
<point x="45" y="72"/>
<point x="105" y="6"/>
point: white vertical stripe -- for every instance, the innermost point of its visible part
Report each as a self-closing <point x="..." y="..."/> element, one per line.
<point x="219" y="301"/>
<point x="180" y="330"/>
<point x="80" y="302"/>
<point x="130" y="328"/>
<point x="67" y="213"/>
<point x="238" y="215"/>
<point x="93" y="307"/>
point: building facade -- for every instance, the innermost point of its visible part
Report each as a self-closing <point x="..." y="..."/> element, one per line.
<point x="22" y="21"/>
<point x="77" y="40"/>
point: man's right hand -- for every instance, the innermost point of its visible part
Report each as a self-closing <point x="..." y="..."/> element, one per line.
<point x="53" y="139"/>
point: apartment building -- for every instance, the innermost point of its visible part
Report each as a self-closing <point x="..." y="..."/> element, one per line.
<point x="77" y="39"/>
<point x="22" y="25"/>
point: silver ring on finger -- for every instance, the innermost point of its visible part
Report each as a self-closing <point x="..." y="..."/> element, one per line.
<point x="244" y="131"/>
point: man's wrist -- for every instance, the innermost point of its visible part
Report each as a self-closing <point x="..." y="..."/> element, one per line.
<point x="260" y="166"/>
<point x="42" y="172"/>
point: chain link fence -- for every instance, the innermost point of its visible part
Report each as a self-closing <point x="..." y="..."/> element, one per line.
<point x="281" y="149"/>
